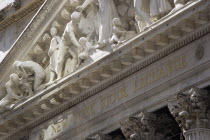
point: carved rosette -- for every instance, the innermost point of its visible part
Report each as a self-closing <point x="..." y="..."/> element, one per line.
<point x="191" y="112"/>
<point x="142" y="127"/>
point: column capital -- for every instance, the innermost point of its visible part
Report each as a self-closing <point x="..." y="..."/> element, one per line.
<point x="141" y="127"/>
<point x="191" y="110"/>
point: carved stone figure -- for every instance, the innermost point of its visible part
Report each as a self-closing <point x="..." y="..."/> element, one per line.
<point x="16" y="89"/>
<point x="142" y="13"/>
<point x="53" y="54"/>
<point x="107" y="12"/>
<point x="126" y="12"/>
<point x="70" y="44"/>
<point x="119" y="33"/>
<point x="30" y="69"/>
<point x="159" y="8"/>
<point x="87" y="46"/>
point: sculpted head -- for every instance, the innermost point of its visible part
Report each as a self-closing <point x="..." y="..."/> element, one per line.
<point x="53" y="31"/>
<point x="16" y="64"/>
<point x="14" y="78"/>
<point x="76" y="16"/>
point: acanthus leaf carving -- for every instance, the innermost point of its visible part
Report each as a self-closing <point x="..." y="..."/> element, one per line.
<point x="191" y="111"/>
<point x="142" y="127"/>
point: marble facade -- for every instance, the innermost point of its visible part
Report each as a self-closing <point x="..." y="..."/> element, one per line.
<point x="103" y="70"/>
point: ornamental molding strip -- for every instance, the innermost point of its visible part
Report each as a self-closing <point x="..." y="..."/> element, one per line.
<point x="20" y="12"/>
<point x="94" y="64"/>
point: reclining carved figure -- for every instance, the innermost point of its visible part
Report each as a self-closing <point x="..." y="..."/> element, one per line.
<point x="17" y="89"/>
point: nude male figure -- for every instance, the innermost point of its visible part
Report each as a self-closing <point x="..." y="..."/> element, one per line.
<point x="69" y="44"/>
<point x="16" y="89"/>
<point x="29" y="69"/>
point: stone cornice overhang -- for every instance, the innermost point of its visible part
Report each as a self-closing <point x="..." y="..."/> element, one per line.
<point x="100" y="66"/>
<point x="21" y="13"/>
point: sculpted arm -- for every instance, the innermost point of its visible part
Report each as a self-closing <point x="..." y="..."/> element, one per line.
<point x="58" y="39"/>
<point x="73" y="39"/>
<point x="23" y="72"/>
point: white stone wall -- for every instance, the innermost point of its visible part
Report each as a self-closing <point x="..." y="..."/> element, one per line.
<point x="11" y="33"/>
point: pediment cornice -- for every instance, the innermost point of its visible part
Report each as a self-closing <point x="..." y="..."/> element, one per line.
<point x="19" y="13"/>
<point x="111" y="67"/>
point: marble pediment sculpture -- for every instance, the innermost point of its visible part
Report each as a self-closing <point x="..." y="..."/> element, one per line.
<point x="84" y="30"/>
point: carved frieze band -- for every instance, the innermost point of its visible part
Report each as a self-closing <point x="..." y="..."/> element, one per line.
<point x="62" y="108"/>
<point x="4" y="23"/>
<point x="29" y="76"/>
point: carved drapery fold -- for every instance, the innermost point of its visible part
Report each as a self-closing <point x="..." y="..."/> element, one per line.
<point x="192" y="113"/>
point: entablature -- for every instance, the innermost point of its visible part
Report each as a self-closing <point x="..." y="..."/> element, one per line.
<point x="160" y="39"/>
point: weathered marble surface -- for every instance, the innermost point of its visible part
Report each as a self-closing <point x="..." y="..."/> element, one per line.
<point x="132" y="94"/>
<point x="166" y="70"/>
<point x="10" y="34"/>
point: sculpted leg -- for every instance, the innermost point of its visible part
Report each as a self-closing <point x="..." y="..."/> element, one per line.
<point x="61" y="60"/>
<point x="52" y="77"/>
<point x="38" y="83"/>
<point x="75" y="58"/>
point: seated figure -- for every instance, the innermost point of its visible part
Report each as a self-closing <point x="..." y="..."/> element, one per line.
<point x="87" y="46"/>
<point x="119" y="33"/>
<point x="16" y="89"/>
<point x="29" y="69"/>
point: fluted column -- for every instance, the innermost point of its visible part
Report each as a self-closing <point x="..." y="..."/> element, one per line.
<point x="191" y="112"/>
